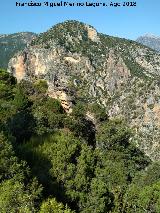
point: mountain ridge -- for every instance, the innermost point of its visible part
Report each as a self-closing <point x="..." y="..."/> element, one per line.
<point x="150" y="40"/>
<point x="11" y="44"/>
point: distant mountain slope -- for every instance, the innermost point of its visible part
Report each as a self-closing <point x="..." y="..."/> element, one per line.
<point x="120" y="74"/>
<point x="11" y="44"/>
<point x="150" y="41"/>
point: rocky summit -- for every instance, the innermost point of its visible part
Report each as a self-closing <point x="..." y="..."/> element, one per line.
<point x="80" y="63"/>
<point x="151" y="41"/>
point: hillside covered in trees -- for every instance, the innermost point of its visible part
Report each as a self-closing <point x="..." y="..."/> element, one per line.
<point x="54" y="162"/>
<point x="10" y="44"/>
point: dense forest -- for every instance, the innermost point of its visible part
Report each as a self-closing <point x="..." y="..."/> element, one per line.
<point x="52" y="162"/>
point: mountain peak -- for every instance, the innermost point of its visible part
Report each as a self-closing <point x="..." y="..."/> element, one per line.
<point x="70" y="31"/>
<point x="73" y="24"/>
<point x="151" y="35"/>
<point x="150" y="40"/>
<point x="119" y="74"/>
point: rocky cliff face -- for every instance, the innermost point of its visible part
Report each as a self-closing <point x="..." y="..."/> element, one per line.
<point x="119" y="74"/>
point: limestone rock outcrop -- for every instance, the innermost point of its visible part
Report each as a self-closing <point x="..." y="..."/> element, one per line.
<point x="121" y="75"/>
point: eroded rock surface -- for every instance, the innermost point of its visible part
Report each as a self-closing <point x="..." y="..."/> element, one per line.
<point x="121" y="75"/>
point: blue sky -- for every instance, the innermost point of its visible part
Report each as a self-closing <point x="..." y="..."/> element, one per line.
<point x="122" y="22"/>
